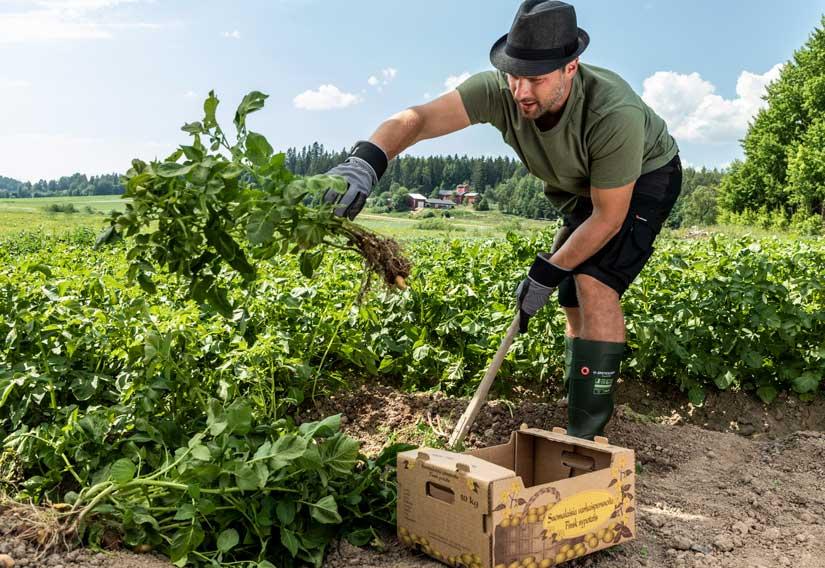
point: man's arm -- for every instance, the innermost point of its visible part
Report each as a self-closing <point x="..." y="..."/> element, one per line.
<point x="368" y="160"/>
<point x="436" y="118"/>
<point x="610" y="207"/>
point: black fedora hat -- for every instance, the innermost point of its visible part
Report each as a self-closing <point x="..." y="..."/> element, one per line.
<point x="544" y="36"/>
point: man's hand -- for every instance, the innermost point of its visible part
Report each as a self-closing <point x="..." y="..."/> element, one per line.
<point x="361" y="170"/>
<point x="360" y="179"/>
<point x="534" y="291"/>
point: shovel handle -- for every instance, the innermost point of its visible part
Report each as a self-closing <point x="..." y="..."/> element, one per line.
<point x="469" y="416"/>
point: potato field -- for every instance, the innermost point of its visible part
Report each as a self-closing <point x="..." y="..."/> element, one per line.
<point x="225" y="376"/>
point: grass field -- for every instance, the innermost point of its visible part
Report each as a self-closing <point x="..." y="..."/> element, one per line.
<point x="31" y="214"/>
<point x="18" y="215"/>
<point x="464" y="223"/>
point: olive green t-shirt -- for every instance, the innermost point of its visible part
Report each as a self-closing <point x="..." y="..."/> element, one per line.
<point x="606" y="137"/>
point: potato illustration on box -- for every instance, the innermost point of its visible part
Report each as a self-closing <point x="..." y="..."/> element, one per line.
<point x="539" y="500"/>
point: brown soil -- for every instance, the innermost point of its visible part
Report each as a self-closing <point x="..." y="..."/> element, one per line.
<point x="17" y="522"/>
<point x="732" y="484"/>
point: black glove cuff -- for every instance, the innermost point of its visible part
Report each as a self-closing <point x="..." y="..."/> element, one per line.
<point x="545" y="273"/>
<point x="372" y="154"/>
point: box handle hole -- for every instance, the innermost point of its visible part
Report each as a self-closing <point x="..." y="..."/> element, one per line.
<point x="440" y="492"/>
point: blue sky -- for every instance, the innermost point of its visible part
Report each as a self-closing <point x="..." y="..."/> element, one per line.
<point x="86" y="85"/>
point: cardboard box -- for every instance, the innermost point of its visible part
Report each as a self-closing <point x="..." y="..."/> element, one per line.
<point x="539" y="500"/>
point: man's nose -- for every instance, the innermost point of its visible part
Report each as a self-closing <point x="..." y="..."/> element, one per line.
<point x="520" y="88"/>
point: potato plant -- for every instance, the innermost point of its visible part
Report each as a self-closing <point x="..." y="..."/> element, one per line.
<point x="213" y="208"/>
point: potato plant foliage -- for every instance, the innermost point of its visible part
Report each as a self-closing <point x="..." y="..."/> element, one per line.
<point x="214" y="207"/>
<point x="125" y="408"/>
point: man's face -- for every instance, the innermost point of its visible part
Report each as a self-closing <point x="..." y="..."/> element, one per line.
<point x="538" y="95"/>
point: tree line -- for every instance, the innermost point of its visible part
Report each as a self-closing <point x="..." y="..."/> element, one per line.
<point x="77" y="184"/>
<point x="502" y="182"/>
<point x="425" y="175"/>
<point x="781" y="180"/>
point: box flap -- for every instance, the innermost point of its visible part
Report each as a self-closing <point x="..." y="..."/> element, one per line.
<point x="558" y="436"/>
<point x="502" y="455"/>
<point x="452" y="462"/>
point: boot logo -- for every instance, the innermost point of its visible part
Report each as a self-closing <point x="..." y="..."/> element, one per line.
<point x="585" y="371"/>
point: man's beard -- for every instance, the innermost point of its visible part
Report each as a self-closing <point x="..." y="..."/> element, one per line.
<point x="539" y="108"/>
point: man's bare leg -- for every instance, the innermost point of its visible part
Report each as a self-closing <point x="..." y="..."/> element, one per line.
<point x="600" y="316"/>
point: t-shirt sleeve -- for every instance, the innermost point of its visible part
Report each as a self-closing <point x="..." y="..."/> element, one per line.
<point x="482" y="98"/>
<point x="616" y="148"/>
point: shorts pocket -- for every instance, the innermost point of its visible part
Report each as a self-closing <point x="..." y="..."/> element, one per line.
<point x="636" y="248"/>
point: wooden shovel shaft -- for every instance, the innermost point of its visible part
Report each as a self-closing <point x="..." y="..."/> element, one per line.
<point x="469" y="416"/>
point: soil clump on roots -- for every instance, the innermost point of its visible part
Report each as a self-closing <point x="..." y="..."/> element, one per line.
<point x="382" y="255"/>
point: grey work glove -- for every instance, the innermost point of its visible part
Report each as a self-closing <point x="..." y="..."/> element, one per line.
<point x="361" y="170"/>
<point x="534" y="291"/>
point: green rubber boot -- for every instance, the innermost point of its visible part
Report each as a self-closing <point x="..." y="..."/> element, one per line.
<point x="591" y="387"/>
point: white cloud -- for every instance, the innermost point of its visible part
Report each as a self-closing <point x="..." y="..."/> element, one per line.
<point x="695" y="113"/>
<point x="190" y="94"/>
<point x="47" y="20"/>
<point x="327" y="97"/>
<point x="234" y="34"/>
<point x="427" y="96"/>
<point x="382" y="79"/>
<point x="454" y="81"/>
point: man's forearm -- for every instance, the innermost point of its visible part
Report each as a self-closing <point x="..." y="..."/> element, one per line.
<point x="585" y="241"/>
<point x="398" y="132"/>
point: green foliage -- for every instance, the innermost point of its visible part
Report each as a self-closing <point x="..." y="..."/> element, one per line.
<point x="288" y="491"/>
<point x="693" y="179"/>
<point x="523" y="196"/>
<point x="309" y="337"/>
<point x="731" y="313"/>
<point x="700" y="207"/>
<point x="77" y="184"/>
<point x="783" y="168"/>
<point x="203" y="218"/>
<point x="438" y="224"/>
<point x="132" y="412"/>
<point x="800" y="222"/>
<point x="61" y="208"/>
<point x="398" y="198"/>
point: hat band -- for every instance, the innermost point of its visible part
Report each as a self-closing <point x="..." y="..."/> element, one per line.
<point x="540" y="54"/>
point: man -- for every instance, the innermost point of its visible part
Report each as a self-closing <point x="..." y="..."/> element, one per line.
<point x="608" y="163"/>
